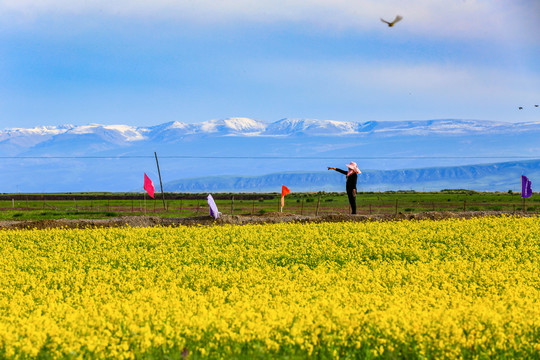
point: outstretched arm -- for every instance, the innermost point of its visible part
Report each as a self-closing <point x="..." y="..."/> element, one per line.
<point x="338" y="170"/>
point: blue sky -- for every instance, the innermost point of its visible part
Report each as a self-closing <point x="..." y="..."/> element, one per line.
<point x="146" y="62"/>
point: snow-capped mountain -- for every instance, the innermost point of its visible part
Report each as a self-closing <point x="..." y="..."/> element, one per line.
<point x="30" y="137"/>
<point x="173" y="131"/>
<point x="113" y="133"/>
<point x="111" y="157"/>
<point x="288" y="127"/>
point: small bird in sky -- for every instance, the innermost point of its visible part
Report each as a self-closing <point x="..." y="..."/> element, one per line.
<point x="520" y="108"/>
<point x="390" y="24"/>
<point x="535" y="105"/>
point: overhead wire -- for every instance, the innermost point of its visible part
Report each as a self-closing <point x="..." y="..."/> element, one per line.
<point x="273" y="157"/>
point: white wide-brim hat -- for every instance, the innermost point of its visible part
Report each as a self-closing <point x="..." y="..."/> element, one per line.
<point x="353" y="167"/>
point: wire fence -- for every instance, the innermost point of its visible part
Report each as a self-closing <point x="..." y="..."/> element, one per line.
<point x="246" y="205"/>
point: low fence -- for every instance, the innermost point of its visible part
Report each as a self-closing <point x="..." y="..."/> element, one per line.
<point x="127" y="196"/>
<point x="256" y="205"/>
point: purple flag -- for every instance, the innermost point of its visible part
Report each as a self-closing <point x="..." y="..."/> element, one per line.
<point x="526" y="189"/>
<point x="213" y="207"/>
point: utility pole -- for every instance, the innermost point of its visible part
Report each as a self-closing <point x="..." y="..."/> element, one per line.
<point x="160" y="183"/>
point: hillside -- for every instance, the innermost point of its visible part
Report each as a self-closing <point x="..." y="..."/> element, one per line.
<point x="486" y="177"/>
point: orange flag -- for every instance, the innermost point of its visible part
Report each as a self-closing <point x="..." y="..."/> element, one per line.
<point x="284" y="191"/>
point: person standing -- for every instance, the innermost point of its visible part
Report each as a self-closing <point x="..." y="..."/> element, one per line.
<point x="352" y="178"/>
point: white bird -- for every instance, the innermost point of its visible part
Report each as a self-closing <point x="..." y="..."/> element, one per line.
<point x="390" y="24"/>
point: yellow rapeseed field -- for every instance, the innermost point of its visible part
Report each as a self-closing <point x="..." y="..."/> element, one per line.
<point x="413" y="289"/>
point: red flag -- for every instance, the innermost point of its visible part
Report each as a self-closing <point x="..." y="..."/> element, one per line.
<point x="149" y="186"/>
<point x="284" y="191"/>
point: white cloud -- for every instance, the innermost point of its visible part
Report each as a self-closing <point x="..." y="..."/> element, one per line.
<point x="456" y="85"/>
<point x="447" y="18"/>
<point x="461" y="83"/>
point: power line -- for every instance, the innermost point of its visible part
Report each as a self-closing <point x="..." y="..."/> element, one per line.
<point x="272" y="157"/>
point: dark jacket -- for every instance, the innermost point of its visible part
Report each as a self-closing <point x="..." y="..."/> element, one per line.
<point x="351" y="180"/>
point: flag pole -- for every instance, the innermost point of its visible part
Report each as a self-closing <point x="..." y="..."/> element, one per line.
<point x="160" y="183"/>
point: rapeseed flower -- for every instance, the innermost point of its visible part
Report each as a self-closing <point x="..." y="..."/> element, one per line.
<point x="419" y="289"/>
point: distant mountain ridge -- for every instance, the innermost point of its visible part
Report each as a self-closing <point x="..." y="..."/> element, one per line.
<point x="251" y="127"/>
<point x="485" y="177"/>
<point x="98" y="157"/>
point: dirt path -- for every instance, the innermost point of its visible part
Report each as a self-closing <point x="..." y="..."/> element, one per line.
<point x="269" y="218"/>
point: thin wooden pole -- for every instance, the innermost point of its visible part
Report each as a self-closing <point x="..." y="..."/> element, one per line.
<point x="160" y="183"/>
<point x="318" y="203"/>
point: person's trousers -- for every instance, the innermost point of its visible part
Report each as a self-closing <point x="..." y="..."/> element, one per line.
<point x="352" y="201"/>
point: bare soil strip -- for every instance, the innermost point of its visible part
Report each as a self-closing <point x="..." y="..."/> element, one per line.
<point x="269" y="218"/>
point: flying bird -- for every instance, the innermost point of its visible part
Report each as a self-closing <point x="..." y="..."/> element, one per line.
<point x="520" y="108"/>
<point x="535" y="105"/>
<point x="390" y="24"/>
